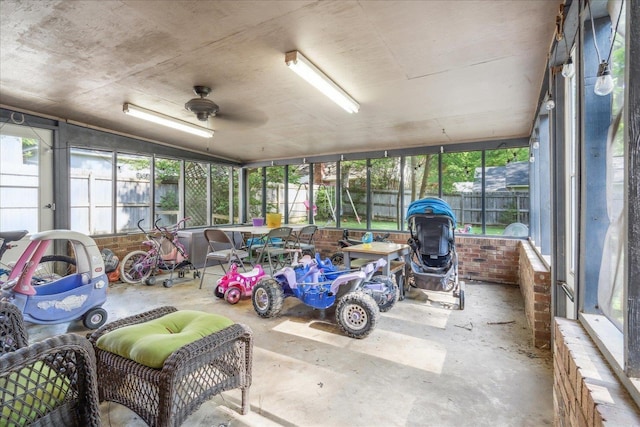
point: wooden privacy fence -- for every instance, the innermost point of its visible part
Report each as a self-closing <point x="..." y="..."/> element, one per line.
<point x="501" y="207"/>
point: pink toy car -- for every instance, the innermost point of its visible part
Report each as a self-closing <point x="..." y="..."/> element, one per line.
<point x="233" y="285"/>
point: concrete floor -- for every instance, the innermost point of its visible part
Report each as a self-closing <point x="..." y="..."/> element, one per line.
<point x="426" y="364"/>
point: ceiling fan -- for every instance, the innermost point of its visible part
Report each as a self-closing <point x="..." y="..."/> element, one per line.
<point x="233" y="116"/>
<point x="202" y="107"/>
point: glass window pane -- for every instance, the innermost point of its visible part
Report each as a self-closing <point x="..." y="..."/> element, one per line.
<point x="385" y="194"/>
<point x="298" y="209"/>
<point x="462" y="188"/>
<point x="421" y="177"/>
<point x="167" y="190"/>
<point x="275" y="191"/>
<point x="612" y="272"/>
<point x="195" y="193"/>
<point x="353" y="180"/>
<point x="221" y="195"/>
<point x="91" y="195"/>
<point x="325" y="193"/>
<point x="254" y="196"/>
<point x="19" y="182"/>
<point x="507" y="192"/>
<point x="236" y="193"/>
<point x="133" y="193"/>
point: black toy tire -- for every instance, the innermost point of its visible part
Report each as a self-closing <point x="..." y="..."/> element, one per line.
<point x="267" y="298"/>
<point x="388" y="304"/>
<point x="217" y="292"/>
<point x="337" y="259"/>
<point x="94" y="318"/>
<point x="357" y="314"/>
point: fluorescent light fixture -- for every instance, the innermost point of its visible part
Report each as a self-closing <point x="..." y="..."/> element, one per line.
<point x="305" y="69"/>
<point x="161" y="119"/>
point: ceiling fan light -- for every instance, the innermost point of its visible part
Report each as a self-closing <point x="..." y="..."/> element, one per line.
<point x="305" y="69"/>
<point x="161" y="119"/>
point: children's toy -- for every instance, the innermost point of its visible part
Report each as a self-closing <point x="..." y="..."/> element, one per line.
<point x="234" y="285"/>
<point x="62" y="299"/>
<point x="165" y="253"/>
<point x="434" y="261"/>
<point x="357" y="295"/>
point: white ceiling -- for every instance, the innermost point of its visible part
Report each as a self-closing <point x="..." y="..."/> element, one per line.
<point x="424" y="72"/>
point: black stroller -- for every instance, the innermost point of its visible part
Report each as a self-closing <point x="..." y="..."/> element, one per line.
<point x="434" y="261"/>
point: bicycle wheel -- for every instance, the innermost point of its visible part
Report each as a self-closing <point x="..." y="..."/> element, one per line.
<point x="135" y="267"/>
<point x="53" y="267"/>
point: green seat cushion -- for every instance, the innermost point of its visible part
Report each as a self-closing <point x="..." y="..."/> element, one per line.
<point x="29" y="392"/>
<point x="150" y="343"/>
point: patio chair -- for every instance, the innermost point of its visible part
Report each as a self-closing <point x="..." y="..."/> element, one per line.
<point x="164" y="363"/>
<point x="222" y="250"/>
<point x="51" y="382"/>
<point x="276" y="249"/>
<point x="304" y="240"/>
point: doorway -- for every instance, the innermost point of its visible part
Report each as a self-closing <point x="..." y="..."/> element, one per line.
<point x="26" y="182"/>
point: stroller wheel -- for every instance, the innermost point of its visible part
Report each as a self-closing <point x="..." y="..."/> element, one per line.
<point x="167" y="283"/>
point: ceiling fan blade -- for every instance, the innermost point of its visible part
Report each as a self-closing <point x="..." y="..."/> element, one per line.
<point x="237" y="118"/>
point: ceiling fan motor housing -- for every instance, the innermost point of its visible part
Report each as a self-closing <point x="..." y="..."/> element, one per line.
<point x="202" y="107"/>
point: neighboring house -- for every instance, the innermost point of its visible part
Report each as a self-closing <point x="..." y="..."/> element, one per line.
<point x="512" y="177"/>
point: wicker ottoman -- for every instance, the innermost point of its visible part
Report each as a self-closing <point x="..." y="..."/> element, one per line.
<point x="191" y="375"/>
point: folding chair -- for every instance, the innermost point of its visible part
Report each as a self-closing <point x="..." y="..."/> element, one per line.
<point x="276" y="248"/>
<point x="304" y="240"/>
<point x="221" y="249"/>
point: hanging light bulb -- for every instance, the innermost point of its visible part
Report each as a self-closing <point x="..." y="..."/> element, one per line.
<point x="604" y="83"/>
<point x="549" y="104"/>
<point x="532" y="157"/>
<point x="568" y="69"/>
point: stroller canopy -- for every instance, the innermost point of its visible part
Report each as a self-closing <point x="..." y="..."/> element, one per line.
<point x="431" y="206"/>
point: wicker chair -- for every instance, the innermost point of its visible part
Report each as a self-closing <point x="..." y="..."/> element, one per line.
<point x="48" y="383"/>
<point x="192" y="374"/>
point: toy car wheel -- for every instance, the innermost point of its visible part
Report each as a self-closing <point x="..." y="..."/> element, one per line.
<point x="218" y="292"/>
<point x="134" y="268"/>
<point x="337" y="258"/>
<point x="167" y="283"/>
<point x="95" y="318"/>
<point x="389" y="295"/>
<point x="267" y="298"/>
<point x="357" y="314"/>
<point x="233" y="295"/>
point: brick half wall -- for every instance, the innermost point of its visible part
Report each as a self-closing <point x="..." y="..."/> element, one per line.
<point x="535" y="285"/>
<point x="586" y="391"/>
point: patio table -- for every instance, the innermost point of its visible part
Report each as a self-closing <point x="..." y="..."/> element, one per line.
<point x="376" y="250"/>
